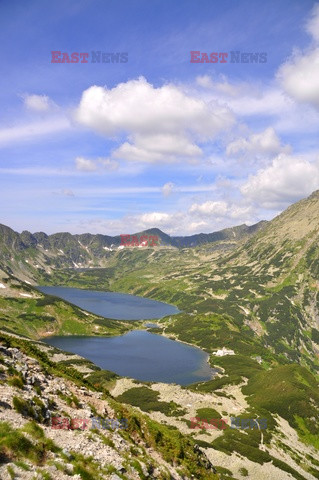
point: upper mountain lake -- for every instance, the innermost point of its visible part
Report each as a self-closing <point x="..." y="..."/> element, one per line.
<point x="137" y="354"/>
<point x="119" y="306"/>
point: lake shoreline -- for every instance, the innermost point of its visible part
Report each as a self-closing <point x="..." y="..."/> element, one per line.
<point x="141" y="355"/>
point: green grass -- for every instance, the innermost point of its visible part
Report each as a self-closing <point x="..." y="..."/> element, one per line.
<point x="33" y="429"/>
<point x="147" y="400"/>
<point x="37" y="317"/>
<point x="288" y="385"/>
<point x="15" y="446"/>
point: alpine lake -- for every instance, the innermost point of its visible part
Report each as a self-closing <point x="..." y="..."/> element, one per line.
<point x="138" y="354"/>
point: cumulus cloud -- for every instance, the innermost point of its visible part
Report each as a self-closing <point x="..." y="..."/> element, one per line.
<point x="285" y="181"/>
<point x="209" y="208"/>
<point x="299" y="76"/>
<point x="39" y="103"/>
<point x="154" y="218"/>
<point x="266" y="142"/>
<point x="157" y="148"/>
<point x="168" y="144"/>
<point x="199" y="218"/>
<point x="222" y="210"/>
<point x="161" y="124"/>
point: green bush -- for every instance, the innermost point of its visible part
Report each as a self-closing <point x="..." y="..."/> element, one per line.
<point x="147" y="400"/>
<point x="13" y="444"/>
<point x="16" y="381"/>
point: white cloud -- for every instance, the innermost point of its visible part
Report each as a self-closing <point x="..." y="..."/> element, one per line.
<point x="205" y="81"/>
<point x="157" y="148"/>
<point x="154" y="218"/>
<point x="210" y="208"/>
<point x="285" y="181"/>
<point x="161" y="124"/>
<point x="266" y="142"/>
<point x="312" y="26"/>
<point x="244" y="99"/>
<point x="178" y="222"/>
<point x="138" y="107"/>
<point x="30" y="131"/>
<point x="221" y="86"/>
<point x="168" y="188"/>
<point x="299" y="76"/>
<point x="89" y="165"/>
<point x="196" y="226"/>
<point x="222" y="210"/>
<point x="264" y="101"/>
<point x="85" y="164"/>
<point x="39" y="103"/>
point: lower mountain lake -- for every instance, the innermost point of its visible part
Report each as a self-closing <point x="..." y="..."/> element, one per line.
<point x="119" y="306"/>
<point x="141" y="355"/>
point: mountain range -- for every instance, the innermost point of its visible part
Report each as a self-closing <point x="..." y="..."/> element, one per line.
<point x="41" y="251"/>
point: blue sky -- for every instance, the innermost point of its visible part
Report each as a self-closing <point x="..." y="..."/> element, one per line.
<point x="157" y="141"/>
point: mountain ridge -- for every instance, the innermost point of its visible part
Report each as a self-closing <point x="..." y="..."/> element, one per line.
<point x="27" y="239"/>
<point x="24" y="254"/>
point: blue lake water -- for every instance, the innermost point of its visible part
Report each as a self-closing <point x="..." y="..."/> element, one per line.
<point x="141" y="355"/>
<point x="119" y="306"/>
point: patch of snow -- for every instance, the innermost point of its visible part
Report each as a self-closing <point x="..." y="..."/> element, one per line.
<point x="2" y="286"/>
<point x="120" y="247"/>
<point x="25" y="295"/>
